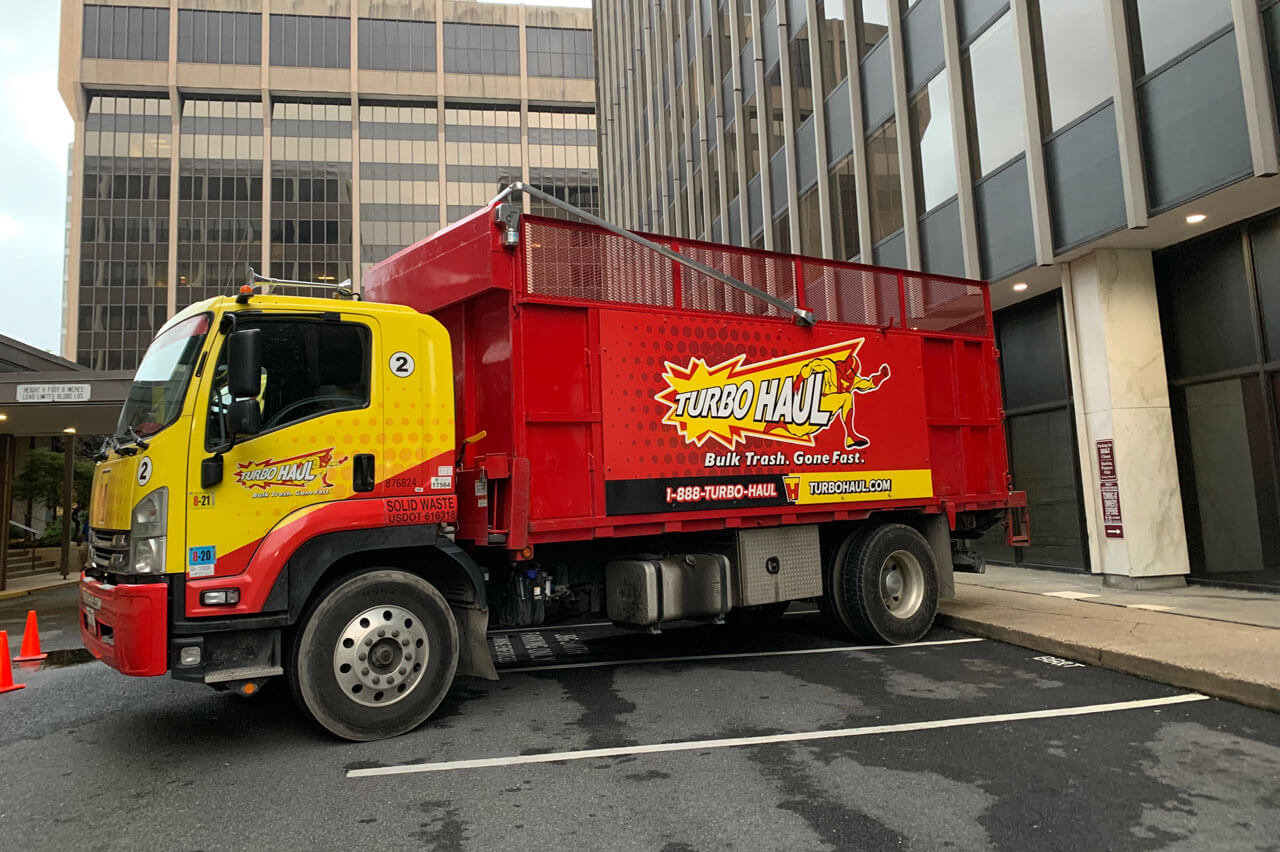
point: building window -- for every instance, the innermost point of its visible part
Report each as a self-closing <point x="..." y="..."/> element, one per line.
<point x="831" y="44"/>
<point x="933" y="144"/>
<point x="873" y="23"/>
<point x="482" y="49"/>
<point x="219" y="197"/>
<point x="224" y="38"/>
<point x="885" y="179"/>
<point x="310" y="41"/>
<point x="482" y="154"/>
<point x="1075" y="66"/>
<point x="811" y="223"/>
<point x="801" y="75"/>
<point x="399" y="178"/>
<point x="993" y="86"/>
<point x="844" y="210"/>
<point x="396" y="45"/>
<point x="311" y="191"/>
<point x="124" y="236"/>
<point x="775" y="124"/>
<point x="1168" y="28"/>
<point x="562" y="159"/>
<point x="118" y="32"/>
<point x="555" y="52"/>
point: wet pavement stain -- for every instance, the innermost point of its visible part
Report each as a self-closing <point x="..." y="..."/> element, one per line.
<point x="444" y="831"/>
<point x="830" y="819"/>
<point x="602" y="707"/>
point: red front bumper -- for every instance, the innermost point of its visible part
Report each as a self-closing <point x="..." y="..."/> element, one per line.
<point x="125" y="626"/>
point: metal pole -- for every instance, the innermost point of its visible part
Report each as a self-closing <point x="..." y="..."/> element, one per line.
<point x="801" y="316"/>
<point x="6" y="505"/>
<point x="68" y="487"/>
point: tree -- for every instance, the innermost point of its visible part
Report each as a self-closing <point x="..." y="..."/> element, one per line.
<point x="40" y="479"/>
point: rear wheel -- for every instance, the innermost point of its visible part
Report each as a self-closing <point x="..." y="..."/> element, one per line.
<point x="884" y="586"/>
<point x="374" y="655"/>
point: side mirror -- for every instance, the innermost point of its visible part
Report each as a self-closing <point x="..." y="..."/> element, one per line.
<point x="244" y="363"/>
<point x="244" y="417"/>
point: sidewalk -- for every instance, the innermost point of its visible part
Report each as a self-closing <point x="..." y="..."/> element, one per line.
<point x="1220" y="642"/>
<point x="17" y="587"/>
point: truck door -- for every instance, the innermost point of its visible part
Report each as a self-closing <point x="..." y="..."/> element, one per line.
<point x="317" y="402"/>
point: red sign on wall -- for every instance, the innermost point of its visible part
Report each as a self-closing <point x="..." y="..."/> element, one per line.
<point x="1109" y="486"/>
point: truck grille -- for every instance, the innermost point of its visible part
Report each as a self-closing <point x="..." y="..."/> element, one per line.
<point x="109" y="550"/>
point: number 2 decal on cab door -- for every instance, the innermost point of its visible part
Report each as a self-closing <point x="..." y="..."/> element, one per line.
<point x="402" y="364"/>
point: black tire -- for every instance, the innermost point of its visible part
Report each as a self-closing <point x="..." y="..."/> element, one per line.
<point x="831" y="604"/>
<point x="756" y="618"/>
<point x="380" y="694"/>
<point x="885" y="589"/>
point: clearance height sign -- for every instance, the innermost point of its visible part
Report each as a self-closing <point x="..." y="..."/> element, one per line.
<point x="715" y="413"/>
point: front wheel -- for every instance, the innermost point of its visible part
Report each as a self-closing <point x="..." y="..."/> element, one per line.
<point x="374" y="655"/>
<point x="885" y="586"/>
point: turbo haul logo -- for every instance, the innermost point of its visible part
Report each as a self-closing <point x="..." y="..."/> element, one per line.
<point x="789" y="399"/>
<point x="296" y="472"/>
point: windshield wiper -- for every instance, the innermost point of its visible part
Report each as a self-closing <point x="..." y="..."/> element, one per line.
<point x="137" y="439"/>
<point x="108" y="444"/>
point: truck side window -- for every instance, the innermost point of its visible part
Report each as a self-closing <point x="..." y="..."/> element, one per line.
<point x="310" y="368"/>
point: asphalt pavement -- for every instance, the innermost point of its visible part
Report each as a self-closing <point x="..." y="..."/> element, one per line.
<point x="700" y="738"/>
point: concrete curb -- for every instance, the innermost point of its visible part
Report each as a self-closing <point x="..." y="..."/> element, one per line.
<point x="1261" y="695"/>
<point x="10" y="594"/>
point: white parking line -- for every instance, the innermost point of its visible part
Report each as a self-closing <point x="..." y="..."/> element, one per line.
<point x="736" y="656"/>
<point x="804" y="736"/>
<point x="1071" y="596"/>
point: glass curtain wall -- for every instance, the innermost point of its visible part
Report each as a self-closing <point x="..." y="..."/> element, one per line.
<point x="311" y="191"/>
<point x="1040" y="424"/>
<point x="831" y="44"/>
<point x="933" y="144"/>
<point x="124" y="271"/>
<point x="482" y="155"/>
<point x="993" y="87"/>
<point x="219" y="197"/>
<point x="1225" y="397"/>
<point x="562" y="160"/>
<point x="1073" y="62"/>
<point x="873" y="24"/>
<point x="399" y="178"/>
<point x="885" y="178"/>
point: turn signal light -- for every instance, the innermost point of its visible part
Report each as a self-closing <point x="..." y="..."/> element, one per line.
<point x="220" y="597"/>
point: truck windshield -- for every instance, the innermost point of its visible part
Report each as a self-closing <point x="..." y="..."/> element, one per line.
<point x="161" y="382"/>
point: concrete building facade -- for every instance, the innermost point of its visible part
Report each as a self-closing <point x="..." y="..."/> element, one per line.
<point x="1109" y="165"/>
<point x="307" y="139"/>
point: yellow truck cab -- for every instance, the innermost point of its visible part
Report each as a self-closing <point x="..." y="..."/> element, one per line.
<point x="271" y="444"/>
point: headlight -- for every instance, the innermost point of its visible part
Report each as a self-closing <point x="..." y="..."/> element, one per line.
<point x="148" y="555"/>
<point x="151" y="514"/>
<point x="147" y="538"/>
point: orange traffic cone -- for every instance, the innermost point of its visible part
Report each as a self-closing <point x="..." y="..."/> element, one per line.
<point x="30" y="651"/>
<point x="6" y="673"/>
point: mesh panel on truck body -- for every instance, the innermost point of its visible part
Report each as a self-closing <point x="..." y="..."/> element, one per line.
<point x="577" y="262"/>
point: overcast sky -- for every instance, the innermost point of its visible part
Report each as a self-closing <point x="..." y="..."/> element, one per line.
<point x="33" y="170"/>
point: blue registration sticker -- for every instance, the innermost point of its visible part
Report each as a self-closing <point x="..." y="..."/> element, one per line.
<point x="201" y="561"/>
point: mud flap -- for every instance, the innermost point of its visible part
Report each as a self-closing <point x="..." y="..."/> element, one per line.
<point x="473" y="648"/>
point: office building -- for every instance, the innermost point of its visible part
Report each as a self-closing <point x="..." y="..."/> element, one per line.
<point x="306" y="139"/>
<point x="1109" y="165"/>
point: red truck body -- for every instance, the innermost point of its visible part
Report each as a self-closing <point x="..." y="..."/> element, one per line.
<point x="623" y="394"/>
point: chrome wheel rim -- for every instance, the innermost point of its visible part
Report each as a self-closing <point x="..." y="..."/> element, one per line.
<point x="902" y="584"/>
<point x="380" y="656"/>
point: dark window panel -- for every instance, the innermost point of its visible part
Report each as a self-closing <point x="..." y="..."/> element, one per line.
<point x="1198" y="279"/>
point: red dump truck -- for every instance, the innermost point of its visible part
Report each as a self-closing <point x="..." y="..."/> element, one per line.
<point x="572" y="420"/>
